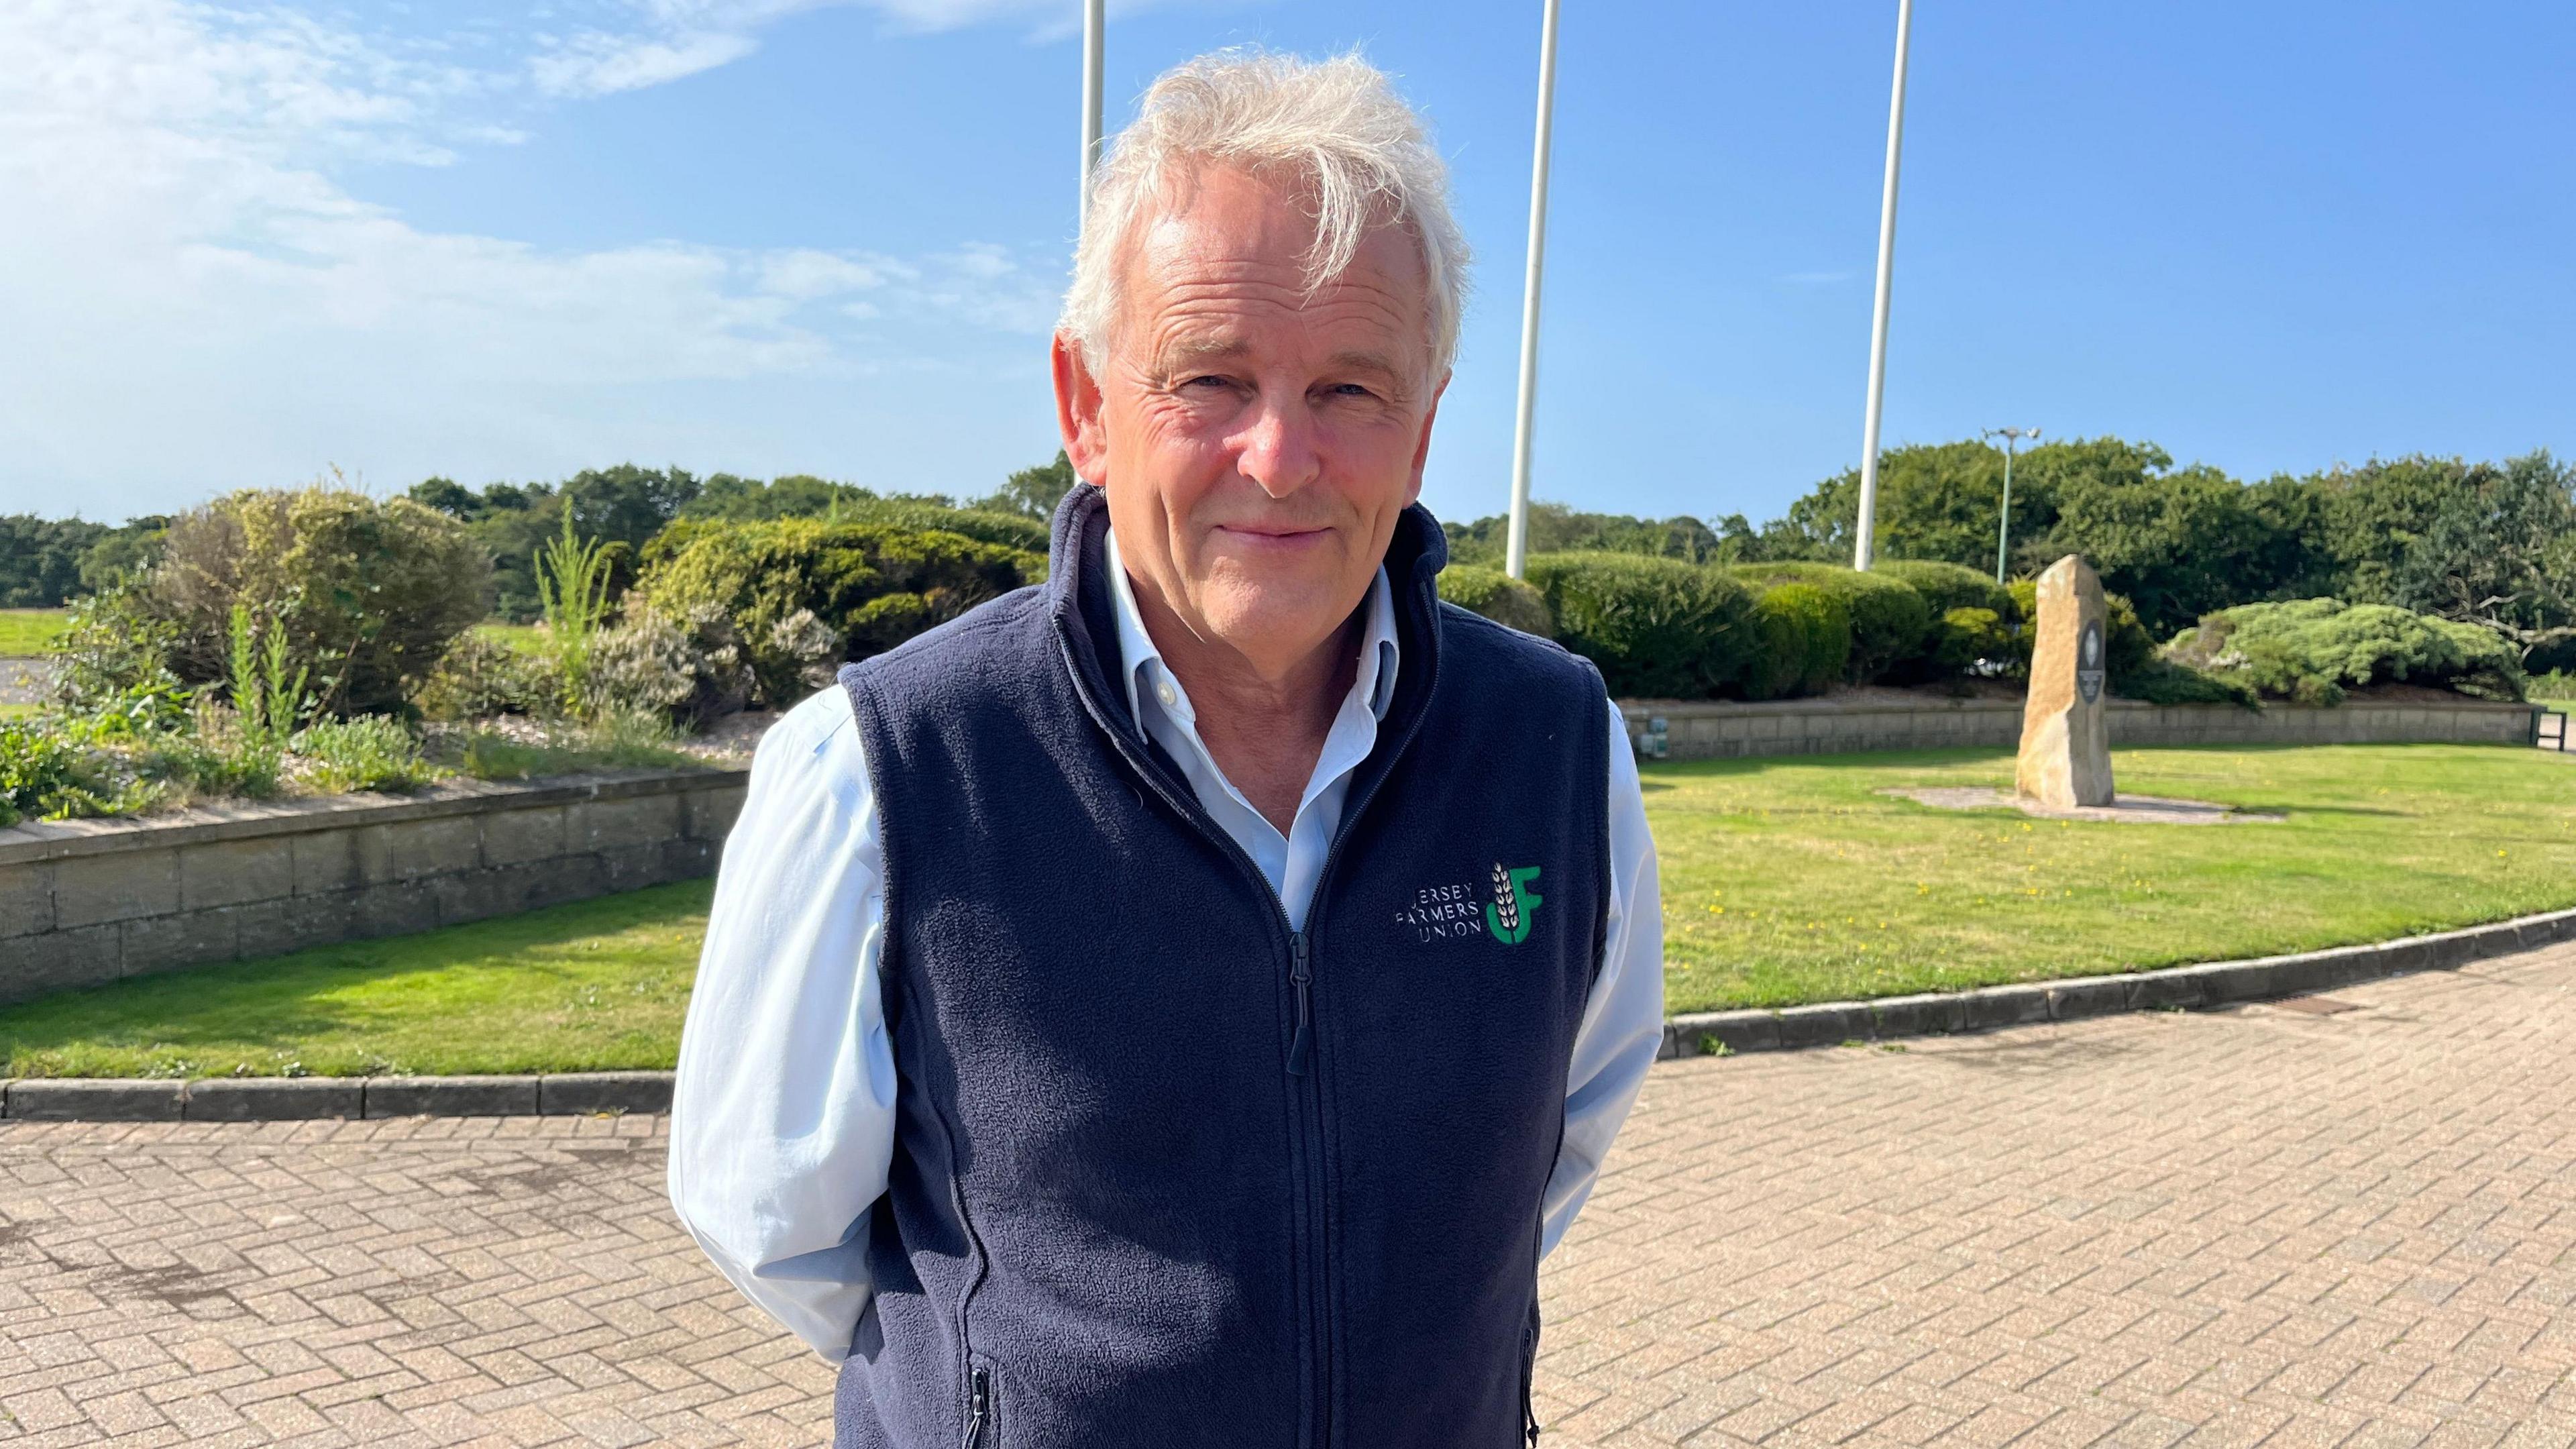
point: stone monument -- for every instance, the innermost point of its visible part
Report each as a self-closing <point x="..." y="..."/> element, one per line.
<point x="2065" y="751"/>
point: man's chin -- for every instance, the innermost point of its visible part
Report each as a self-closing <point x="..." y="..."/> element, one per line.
<point x="1258" y="620"/>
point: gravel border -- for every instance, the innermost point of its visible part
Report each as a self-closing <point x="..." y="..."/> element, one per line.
<point x="1720" y="1033"/>
<point x="2176" y="988"/>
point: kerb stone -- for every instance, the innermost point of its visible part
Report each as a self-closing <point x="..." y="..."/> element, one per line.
<point x="39" y="1099"/>
<point x="562" y="1093"/>
<point x="451" y="1096"/>
<point x="273" y="1099"/>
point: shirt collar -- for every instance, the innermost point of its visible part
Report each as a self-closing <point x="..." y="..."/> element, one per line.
<point x="1140" y="662"/>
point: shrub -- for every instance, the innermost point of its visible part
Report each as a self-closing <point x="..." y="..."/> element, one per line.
<point x="2311" y="650"/>
<point x="984" y="525"/>
<point x="1947" y="586"/>
<point x="692" y="669"/>
<point x="1888" y="618"/>
<point x="1655" y="627"/>
<point x="1962" y="638"/>
<point x="370" y="594"/>
<point x="1802" y="642"/>
<point x="112" y="668"/>
<point x="870" y="585"/>
<point x="47" y="773"/>
<point x="2163" y="681"/>
<point x="572" y="575"/>
<point x="481" y="676"/>
<point x="1498" y="596"/>
<point x="371" y="752"/>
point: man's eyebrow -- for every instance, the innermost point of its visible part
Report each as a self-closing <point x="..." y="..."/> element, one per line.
<point x="1361" y="360"/>
<point x="1183" y="351"/>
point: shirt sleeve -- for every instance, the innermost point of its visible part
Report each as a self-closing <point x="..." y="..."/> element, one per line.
<point x="782" y="1115"/>
<point x="1623" y="1019"/>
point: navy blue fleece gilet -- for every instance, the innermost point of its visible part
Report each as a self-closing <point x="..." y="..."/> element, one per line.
<point x="1165" y="1173"/>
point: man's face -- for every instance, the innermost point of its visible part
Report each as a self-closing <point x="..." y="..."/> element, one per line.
<point x="1257" y="443"/>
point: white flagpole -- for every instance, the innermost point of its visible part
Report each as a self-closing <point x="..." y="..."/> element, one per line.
<point x="1516" y="549"/>
<point x="1864" y="535"/>
<point x="1092" y="24"/>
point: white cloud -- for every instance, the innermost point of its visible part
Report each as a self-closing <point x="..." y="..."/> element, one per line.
<point x="194" y="296"/>
<point x="806" y="275"/>
<point x="635" y="43"/>
<point x="594" y="64"/>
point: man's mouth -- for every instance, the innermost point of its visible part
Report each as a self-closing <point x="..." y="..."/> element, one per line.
<point x="1272" y="535"/>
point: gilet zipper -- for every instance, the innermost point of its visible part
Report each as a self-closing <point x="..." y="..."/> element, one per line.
<point x="1302" y="974"/>
<point x="979" y="1406"/>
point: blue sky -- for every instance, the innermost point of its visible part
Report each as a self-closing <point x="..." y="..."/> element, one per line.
<point x="498" y="241"/>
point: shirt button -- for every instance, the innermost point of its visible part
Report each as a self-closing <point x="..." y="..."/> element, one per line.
<point x="1164" y="693"/>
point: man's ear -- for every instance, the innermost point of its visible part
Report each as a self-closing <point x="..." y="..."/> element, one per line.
<point x="1422" y="444"/>
<point x="1077" y="412"/>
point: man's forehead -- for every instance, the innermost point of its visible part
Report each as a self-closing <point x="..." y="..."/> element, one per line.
<point x="1231" y="247"/>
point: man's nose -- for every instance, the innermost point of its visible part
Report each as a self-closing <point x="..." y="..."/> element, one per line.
<point x="1279" y="450"/>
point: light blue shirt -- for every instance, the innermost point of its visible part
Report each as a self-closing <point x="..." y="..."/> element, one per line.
<point x="782" y="1120"/>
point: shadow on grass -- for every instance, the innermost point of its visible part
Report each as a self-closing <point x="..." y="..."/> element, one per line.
<point x="354" y="988"/>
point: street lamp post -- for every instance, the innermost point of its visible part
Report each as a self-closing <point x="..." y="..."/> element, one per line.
<point x="1516" y="537"/>
<point x="2003" y="523"/>
<point x="1865" y="529"/>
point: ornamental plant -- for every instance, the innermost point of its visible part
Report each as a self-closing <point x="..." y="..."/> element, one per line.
<point x="2313" y="650"/>
<point x="868" y="586"/>
<point x="1888" y="618"/>
<point x="1802" y="642"/>
<point x="369" y="594"/>
<point x="1655" y="627"/>
<point x="1498" y="596"/>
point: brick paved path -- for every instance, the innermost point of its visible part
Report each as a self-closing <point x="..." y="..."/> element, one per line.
<point x="2265" y="1226"/>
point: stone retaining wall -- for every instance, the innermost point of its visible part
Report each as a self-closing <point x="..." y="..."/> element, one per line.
<point x="1699" y="730"/>
<point x="89" y="901"/>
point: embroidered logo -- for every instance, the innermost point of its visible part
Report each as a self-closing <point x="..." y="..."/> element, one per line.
<point x="1507" y="916"/>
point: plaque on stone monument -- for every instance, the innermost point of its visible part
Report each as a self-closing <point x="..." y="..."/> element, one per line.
<point x="2065" y="751"/>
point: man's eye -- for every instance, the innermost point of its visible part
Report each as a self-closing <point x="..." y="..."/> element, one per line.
<point x="1211" y="380"/>
<point x="1350" y="389"/>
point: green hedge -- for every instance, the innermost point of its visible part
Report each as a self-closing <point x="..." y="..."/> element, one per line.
<point x="1947" y="586"/>
<point x="1889" y="620"/>
<point x="1498" y="596"/>
<point x="873" y="585"/>
<point x="2311" y="650"/>
<point x="1802" y="642"/>
<point x="1656" y="627"/>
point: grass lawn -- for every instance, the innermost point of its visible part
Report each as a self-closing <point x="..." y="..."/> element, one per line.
<point x="1790" y="880"/>
<point x="28" y="632"/>
<point x="595" y="986"/>
<point x="1784" y="881"/>
<point x="520" y="638"/>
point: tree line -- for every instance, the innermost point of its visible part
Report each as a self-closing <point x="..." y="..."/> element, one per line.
<point x="2489" y="543"/>
<point x="2492" y="544"/>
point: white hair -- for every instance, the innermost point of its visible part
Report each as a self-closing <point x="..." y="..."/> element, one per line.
<point x="1359" y="154"/>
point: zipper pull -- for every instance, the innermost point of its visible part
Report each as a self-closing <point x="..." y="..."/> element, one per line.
<point x="1303" y="1048"/>
<point x="979" y="1404"/>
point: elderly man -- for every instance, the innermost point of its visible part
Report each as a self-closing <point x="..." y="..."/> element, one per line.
<point x="1180" y="1003"/>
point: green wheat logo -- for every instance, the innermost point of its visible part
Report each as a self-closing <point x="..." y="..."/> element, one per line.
<point x="1508" y="916"/>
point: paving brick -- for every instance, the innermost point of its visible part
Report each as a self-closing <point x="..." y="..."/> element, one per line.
<point x="2236" y="1227"/>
